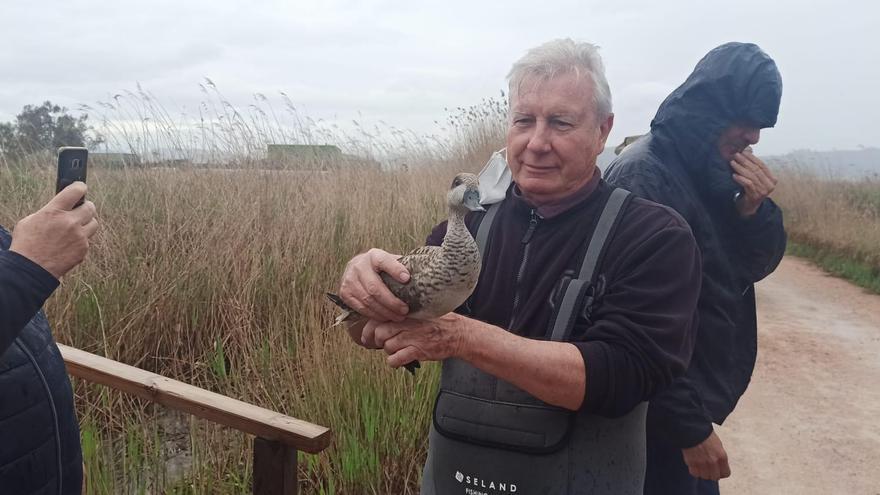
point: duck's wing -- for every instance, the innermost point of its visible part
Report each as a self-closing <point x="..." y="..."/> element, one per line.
<point x="418" y="262"/>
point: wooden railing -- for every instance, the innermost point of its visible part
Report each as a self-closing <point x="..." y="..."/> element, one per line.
<point x="277" y="437"/>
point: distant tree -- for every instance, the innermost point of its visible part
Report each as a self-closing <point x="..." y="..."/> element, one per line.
<point x="7" y="137"/>
<point x="44" y="127"/>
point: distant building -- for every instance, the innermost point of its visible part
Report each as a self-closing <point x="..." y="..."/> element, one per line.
<point x="304" y="156"/>
<point x="114" y="160"/>
<point x="319" y="157"/>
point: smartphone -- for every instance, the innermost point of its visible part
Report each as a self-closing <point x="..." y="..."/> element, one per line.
<point x="72" y="165"/>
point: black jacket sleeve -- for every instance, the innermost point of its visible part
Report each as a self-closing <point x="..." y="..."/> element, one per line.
<point x="643" y="329"/>
<point x="24" y="287"/>
<point x="677" y="414"/>
<point x="760" y="241"/>
<point x="678" y="410"/>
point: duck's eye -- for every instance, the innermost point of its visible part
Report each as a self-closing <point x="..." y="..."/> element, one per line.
<point x="456" y="182"/>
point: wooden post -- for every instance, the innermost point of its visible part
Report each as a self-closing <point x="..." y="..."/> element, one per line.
<point x="274" y="468"/>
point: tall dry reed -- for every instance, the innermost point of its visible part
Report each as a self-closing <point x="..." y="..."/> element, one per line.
<point x="837" y="217"/>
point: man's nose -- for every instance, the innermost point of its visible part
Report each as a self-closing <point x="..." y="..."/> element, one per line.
<point x="752" y="135"/>
<point x="539" y="141"/>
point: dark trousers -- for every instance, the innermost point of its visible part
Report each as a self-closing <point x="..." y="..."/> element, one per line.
<point x="667" y="474"/>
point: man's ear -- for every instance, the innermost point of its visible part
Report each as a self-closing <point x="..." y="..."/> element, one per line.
<point x="605" y="129"/>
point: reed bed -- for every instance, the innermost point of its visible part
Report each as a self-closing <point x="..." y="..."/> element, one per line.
<point x="834" y="222"/>
<point x="214" y="273"/>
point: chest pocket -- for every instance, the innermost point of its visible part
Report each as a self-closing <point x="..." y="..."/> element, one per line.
<point x="591" y="298"/>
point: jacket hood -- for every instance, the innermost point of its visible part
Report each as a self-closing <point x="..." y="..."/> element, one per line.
<point x="733" y="83"/>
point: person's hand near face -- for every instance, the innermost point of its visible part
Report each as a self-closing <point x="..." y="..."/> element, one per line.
<point x="756" y="180"/>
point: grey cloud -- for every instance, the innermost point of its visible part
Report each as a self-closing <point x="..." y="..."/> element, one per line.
<point x="405" y="62"/>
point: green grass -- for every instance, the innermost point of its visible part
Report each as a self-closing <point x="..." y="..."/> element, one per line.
<point x="859" y="273"/>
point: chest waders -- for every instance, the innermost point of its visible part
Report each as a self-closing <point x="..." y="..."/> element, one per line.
<point x="490" y="438"/>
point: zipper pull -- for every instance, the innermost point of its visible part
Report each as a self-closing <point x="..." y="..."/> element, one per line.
<point x="533" y="223"/>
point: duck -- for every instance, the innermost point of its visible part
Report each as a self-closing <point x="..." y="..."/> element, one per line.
<point x="441" y="277"/>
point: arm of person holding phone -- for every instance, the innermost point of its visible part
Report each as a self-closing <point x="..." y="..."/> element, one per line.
<point x="44" y="246"/>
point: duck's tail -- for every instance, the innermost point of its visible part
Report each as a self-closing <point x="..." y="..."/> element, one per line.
<point x="347" y="313"/>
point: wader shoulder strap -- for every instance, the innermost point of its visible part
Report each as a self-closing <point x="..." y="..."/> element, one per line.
<point x="485" y="226"/>
<point x="576" y="289"/>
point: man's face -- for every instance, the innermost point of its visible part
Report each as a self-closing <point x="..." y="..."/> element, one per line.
<point x="553" y="136"/>
<point x="736" y="138"/>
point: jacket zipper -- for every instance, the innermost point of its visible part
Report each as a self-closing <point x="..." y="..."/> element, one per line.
<point x="52" y="406"/>
<point x="533" y="224"/>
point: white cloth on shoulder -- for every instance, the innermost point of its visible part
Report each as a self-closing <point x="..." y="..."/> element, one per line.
<point x="495" y="178"/>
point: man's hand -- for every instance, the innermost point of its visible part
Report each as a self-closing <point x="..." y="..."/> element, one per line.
<point x="364" y="291"/>
<point x="756" y="180"/>
<point x="56" y="237"/>
<point x="412" y="340"/>
<point x="707" y="460"/>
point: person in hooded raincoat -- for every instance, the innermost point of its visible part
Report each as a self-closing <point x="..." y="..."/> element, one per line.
<point x="697" y="160"/>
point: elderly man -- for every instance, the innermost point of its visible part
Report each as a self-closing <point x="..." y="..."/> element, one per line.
<point x="583" y="310"/>
<point x="39" y="435"/>
<point x="696" y="160"/>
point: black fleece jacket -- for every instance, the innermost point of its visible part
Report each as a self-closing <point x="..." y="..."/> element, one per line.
<point x="640" y="334"/>
<point x="678" y="165"/>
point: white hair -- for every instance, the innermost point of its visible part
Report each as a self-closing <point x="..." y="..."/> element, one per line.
<point x="564" y="56"/>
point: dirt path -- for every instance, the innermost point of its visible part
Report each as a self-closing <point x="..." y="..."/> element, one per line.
<point x="810" y="421"/>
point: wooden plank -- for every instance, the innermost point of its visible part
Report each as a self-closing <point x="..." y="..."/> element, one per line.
<point x="274" y="468"/>
<point x="199" y="402"/>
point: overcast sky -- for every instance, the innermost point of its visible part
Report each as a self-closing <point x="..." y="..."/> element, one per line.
<point x="403" y="62"/>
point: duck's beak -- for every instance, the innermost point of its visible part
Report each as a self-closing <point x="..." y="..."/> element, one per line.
<point x="472" y="200"/>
